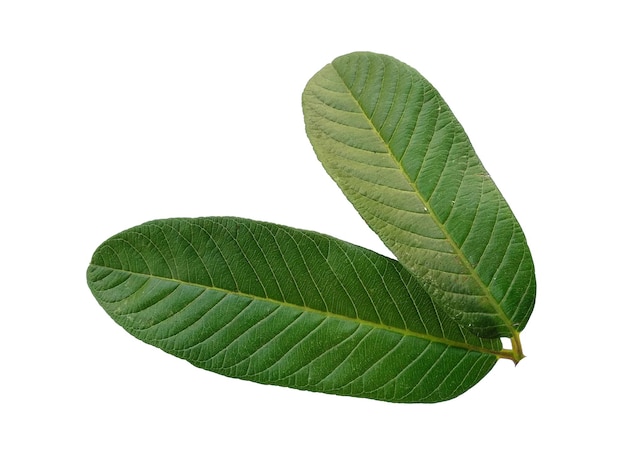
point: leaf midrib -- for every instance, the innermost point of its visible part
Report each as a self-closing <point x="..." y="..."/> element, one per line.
<point x="457" y="250"/>
<point x="359" y="321"/>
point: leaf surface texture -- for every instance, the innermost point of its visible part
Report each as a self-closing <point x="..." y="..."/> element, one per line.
<point x="391" y="143"/>
<point x="282" y="306"/>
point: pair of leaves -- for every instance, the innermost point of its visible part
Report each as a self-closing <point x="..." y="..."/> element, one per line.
<point x="283" y="306"/>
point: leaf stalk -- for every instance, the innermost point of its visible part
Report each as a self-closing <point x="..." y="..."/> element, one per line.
<point x="515" y="354"/>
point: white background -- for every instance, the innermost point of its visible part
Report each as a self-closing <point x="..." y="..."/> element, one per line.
<point x="114" y="113"/>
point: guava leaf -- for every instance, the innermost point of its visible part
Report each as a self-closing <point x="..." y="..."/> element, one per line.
<point x="391" y="143"/>
<point x="282" y="306"/>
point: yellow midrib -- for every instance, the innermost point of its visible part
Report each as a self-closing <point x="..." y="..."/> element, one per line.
<point x="359" y="321"/>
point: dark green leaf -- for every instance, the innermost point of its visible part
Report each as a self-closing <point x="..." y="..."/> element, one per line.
<point x="282" y="306"/>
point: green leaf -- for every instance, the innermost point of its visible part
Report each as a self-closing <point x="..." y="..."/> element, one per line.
<point x="388" y="139"/>
<point x="281" y="306"/>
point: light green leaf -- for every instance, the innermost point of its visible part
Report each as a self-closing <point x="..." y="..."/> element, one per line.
<point x="391" y="143"/>
<point x="281" y="306"/>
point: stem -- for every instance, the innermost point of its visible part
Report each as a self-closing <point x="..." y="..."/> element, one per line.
<point x="515" y="354"/>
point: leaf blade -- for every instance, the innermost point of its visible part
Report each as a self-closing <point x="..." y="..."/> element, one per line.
<point x="347" y="321"/>
<point x="391" y="143"/>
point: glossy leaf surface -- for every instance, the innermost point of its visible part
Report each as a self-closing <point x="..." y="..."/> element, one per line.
<point x="388" y="139"/>
<point x="277" y="305"/>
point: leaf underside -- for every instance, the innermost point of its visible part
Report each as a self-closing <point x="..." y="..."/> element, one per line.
<point x="282" y="306"/>
<point x="391" y="143"/>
